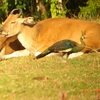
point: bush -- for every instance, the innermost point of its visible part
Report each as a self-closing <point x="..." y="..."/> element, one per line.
<point x="91" y="10"/>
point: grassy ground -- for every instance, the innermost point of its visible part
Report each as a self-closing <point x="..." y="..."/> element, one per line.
<point x="50" y="77"/>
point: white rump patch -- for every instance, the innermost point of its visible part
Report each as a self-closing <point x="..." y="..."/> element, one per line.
<point x="73" y="55"/>
<point x="19" y="53"/>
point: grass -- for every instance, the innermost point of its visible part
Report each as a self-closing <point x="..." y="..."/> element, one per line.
<point x="48" y="78"/>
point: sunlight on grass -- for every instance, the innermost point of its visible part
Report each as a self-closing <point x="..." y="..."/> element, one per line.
<point x="43" y="79"/>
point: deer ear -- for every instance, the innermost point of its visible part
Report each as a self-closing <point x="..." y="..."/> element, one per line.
<point x="29" y="21"/>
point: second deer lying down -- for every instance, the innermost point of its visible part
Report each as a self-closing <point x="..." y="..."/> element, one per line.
<point x="45" y="33"/>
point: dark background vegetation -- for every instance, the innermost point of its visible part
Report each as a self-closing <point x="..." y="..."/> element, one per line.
<point x="42" y="9"/>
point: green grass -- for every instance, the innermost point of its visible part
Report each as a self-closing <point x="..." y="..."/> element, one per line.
<point x="26" y="79"/>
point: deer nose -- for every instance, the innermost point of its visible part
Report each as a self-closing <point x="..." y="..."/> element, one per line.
<point x="3" y="33"/>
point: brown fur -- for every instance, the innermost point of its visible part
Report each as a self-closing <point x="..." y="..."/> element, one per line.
<point x="11" y="44"/>
<point x="47" y="32"/>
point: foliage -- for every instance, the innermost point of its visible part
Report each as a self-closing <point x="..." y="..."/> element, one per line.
<point x="21" y="4"/>
<point x="3" y="9"/>
<point x="92" y="10"/>
<point x="6" y="6"/>
<point x="57" y="9"/>
<point x="44" y="10"/>
<point x="52" y="8"/>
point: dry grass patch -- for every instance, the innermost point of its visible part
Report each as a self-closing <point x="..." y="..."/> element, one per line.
<point x="43" y="79"/>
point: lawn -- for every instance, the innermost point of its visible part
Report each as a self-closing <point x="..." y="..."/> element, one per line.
<point x="50" y="78"/>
